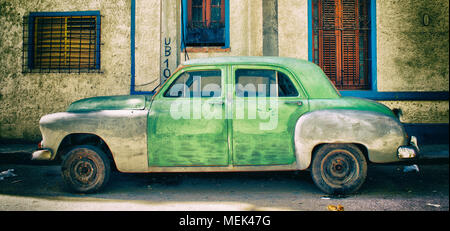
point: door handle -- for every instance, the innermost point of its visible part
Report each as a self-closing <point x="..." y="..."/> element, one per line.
<point x="299" y="103"/>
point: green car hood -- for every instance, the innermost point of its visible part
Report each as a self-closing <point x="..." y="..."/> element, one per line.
<point x="120" y="102"/>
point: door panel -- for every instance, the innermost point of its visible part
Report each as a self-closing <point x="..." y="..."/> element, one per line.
<point x="263" y="123"/>
<point x="186" y="124"/>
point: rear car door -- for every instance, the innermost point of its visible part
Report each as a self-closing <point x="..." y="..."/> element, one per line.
<point x="267" y="101"/>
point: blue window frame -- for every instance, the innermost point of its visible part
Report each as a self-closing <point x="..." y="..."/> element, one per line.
<point x="62" y="42"/>
<point x="205" y="23"/>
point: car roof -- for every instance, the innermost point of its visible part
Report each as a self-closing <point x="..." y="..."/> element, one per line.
<point x="314" y="80"/>
<point x="284" y="61"/>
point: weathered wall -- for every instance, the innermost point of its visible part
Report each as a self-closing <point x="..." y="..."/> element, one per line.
<point x="293" y="28"/>
<point x="270" y="27"/>
<point x="421" y="111"/>
<point x="245" y="31"/>
<point x="24" y="98"/>
<point x="147" y="44"/>
<point x="412" y="56"/>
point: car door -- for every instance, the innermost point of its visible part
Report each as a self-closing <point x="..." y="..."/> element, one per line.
<point x="186" y="122"/>
<point x="267" y="103"/>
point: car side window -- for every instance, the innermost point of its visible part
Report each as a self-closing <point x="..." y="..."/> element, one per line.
<point x="263" y="83"/>
<point x="285" y="86"/>
<point x="193" y="84"/>
<point x="255" y="83"/>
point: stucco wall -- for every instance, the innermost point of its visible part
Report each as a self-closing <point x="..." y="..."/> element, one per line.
<point x="246" y="31"/>
<point x="293" y="28"/>
<point x="147" y="44"/>
<point x="24" y="98"/>
<point x="421" y="111"/>
<point x="412" y="56"/>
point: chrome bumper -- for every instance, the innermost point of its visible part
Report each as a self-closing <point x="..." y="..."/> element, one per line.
<point x="410" y="151"/>
<point x="42" y="154"/>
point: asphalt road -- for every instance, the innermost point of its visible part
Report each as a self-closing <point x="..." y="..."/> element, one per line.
<point x="39" y="187"/>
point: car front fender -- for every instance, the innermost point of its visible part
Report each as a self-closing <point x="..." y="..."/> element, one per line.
<point x="124" y="131"/>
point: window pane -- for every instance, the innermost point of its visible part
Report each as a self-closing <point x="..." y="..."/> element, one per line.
<point x="196" y="84"/>
<point x="215" y="2"/>
<point x="216" y="10"/>
<point x="285" y="86"/>
<point x="197" y="14"/>
<point x="206" y="23"/>
<point x="255" y="83"/>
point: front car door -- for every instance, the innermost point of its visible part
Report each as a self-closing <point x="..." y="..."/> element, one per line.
<point x="267" y="101"/>
<point x="186" y="122"/>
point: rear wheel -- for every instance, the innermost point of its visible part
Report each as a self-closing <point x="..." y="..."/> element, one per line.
<point x="339" y="168"/>
<point x="85" y="169"/>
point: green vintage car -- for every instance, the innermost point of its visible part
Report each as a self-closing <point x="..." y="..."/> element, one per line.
<point x="228" y="114"/>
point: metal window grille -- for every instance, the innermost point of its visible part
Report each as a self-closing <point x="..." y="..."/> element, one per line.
<point x="61" y="44"/>
<point x="341" y="41"/>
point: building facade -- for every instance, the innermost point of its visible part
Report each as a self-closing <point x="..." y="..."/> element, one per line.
<point x="55" y="52"/>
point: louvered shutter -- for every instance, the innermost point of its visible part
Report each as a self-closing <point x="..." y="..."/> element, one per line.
<point x="350" y="32"/>
<point x="327" y="41"/>
<point x="65" y="42"/>
<point x="342" y="56"/>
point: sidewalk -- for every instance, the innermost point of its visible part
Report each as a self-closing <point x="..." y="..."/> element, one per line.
<point x="428" y="151"/>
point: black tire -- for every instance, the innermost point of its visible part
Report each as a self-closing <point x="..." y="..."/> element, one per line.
<point x="339" y="168"/>
<point x="85" y="169"/>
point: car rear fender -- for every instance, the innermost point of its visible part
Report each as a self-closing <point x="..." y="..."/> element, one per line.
<point x="380" y="134"/>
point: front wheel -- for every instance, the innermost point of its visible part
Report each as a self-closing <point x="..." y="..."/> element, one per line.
<point x="339" y="168"/>
<point x="85" y="169"/>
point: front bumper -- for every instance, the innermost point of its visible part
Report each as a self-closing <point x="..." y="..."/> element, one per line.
<point x="410" y="151"/>
<point x="42" y="154"/>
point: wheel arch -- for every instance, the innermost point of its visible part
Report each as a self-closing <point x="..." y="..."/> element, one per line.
<point x="376" y="135"/>
<point x="75" y="139"/>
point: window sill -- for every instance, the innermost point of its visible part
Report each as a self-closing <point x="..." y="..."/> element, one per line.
<point x="206" y="49"/>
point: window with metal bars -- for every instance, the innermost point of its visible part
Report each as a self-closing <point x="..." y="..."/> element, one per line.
<point x="341" y="41"/>
<point x="61" y="42"/>
<point x="206" y="23"/>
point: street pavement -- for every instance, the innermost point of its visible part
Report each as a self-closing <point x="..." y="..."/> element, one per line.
<point x="38" y="186"/>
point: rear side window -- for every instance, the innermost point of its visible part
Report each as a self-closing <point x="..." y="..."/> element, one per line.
<point x="285" y="86"/>
<point x="255" y="83"/>
<point x="263" y="83"/>
<point x="193" y="84"/>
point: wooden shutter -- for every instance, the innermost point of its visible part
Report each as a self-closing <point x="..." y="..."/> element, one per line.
<point x="328" y="39"/>
<point x="337" y="23"/>
<point x="65" y="42"/>
<point x="350" y="42"/>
